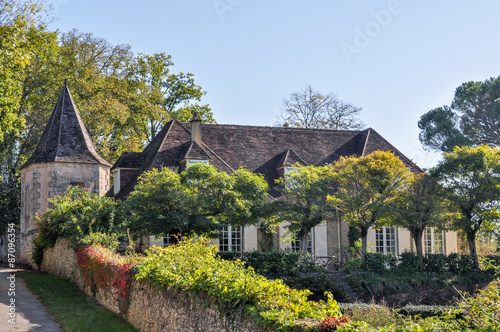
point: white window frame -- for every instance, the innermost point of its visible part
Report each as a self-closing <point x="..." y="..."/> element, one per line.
<point x="433" y="241"/>
<point x="386" y="240"/>
<point x="290" y="183"/>
<point x="234" y="236"/>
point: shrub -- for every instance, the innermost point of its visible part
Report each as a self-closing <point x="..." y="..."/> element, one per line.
<point x="194" y="267"/>
<point x="492" y="263"/>
<point x="435" y="263"/>
<point x="373" y="314"/>
<point x="77" y="215"/>
<point x="354" y="264"/>
<point x="276" y="261"/>
<point x="318" y="285"/>
<point x="459" y="263"/>
<point x="409" y="261"/>
<point x="377" y="262"/>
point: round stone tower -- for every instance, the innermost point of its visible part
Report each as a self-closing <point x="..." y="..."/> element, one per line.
<point x="63" y="158"/>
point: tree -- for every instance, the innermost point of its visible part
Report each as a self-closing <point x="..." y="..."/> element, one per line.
<point x="471" y="178"/>
<point x="304" y="205"/>
<point x="417" y="206"/>
<point x="311" y="109"/>
<point x="161" y="95"/>
<point x="197" y="201"/>
<point x="365" y="186"/>
<point x="18" y="19"/>
<point x="472" y="119"/>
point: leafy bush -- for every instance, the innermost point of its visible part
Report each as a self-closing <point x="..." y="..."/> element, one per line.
<point x="409" y="261"/>
<point x="195" y="267"/>
<point x="77" y="215"/>
<point x="354" y="264"/>
<point x="435" y="263"/>
<point x="393" y="282"/>
<point x="460" y="263"/>
<point x="492" y="263"/>
<point x="276" y="261"/>
<point x="373" y="314"/>
<point x="318" y="285"/>
<point x="377" y="262"/>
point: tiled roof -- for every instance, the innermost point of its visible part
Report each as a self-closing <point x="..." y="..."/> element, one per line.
<point x="65" y="138"/>
<point x="260" y="149"/>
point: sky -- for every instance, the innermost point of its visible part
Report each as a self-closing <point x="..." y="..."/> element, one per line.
<point x="396" y="59"/>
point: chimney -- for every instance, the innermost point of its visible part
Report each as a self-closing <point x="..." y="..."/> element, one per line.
<point x="196" y="128"/>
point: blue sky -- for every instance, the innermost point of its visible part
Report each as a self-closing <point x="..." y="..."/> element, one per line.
<point x="395" y="59"/>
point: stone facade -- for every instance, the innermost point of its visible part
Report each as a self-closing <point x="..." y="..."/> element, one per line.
<point x="40" y="182"/>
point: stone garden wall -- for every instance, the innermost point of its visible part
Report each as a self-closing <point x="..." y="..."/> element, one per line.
<point x="149" y="307"/>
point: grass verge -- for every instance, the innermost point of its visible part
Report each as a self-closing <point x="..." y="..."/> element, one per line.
<point x="70" y="307"/>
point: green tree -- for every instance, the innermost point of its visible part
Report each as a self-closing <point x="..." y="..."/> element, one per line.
<point x="473" y="118"/>
<point x="471" y="178"/>
<point x="304" y="204"/>
<point x="365" y="186"/>
<point x="312" y="109"/>
<point x="418" y="205"/>
<point x="196" y="201"/>
<point x="18" y="21"/>
<point x="160" y="95"/>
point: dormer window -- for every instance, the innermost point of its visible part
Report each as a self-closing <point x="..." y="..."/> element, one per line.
<point x="190" y="162"/>
<point x="289" y="181"/>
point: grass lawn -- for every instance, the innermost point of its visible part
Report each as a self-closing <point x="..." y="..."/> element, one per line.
<point x="70" y="307"/>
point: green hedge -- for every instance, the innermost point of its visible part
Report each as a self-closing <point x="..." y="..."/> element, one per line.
<point x="276" y="262"/>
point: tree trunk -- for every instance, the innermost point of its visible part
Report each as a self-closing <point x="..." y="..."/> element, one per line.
<point x="303" y="241"/>
<point x="417" y="237"/>
<point x="364" y="242"/>
<point x="471" y="239"/>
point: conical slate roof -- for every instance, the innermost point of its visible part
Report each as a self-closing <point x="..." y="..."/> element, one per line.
<point x="65" y="138"/>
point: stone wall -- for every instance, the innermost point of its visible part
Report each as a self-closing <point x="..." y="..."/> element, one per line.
<point x="149" y="307"/>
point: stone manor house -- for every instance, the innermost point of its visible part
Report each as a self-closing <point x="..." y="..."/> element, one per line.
<point x="65" y="157"/>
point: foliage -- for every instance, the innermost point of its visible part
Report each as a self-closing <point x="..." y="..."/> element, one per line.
<point x="276" y="261"/>
<point x="471" y="119"/>
<point x="459" y="263"/>
<point x="364" y="187"/>
<point x="409" y="261"/>
<point x="20" y="23"/>
<point x="305" y="189"/>
<point x="417" y="206"/>
<point x="77" y="215"/>
<point x="198" y="200"/>
<point x="160" y="95"/>
<point x="106" y="270"/>
<point x="354" y="264"/>
<point x="471" y="178"/>
<point x="395" y="281"/>
<point x="373" y="314"/>
<point x="379" y="262"/>
<point x="435" y="262"/>
<point x="311" y="109"/>
<point x="195" y="267"/>
<point x="318" y="284"/>
<point x="332" y="323"/>
<point x="72" y="309"/>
